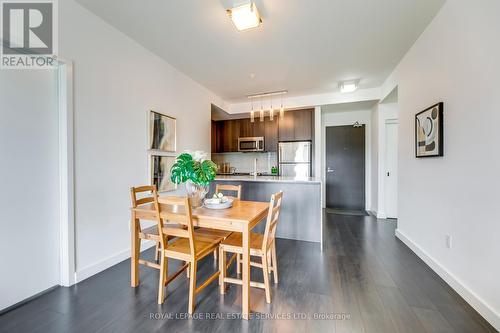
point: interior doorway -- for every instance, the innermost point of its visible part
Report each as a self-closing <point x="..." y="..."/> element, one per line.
<point x="391" y="168"/>
<point x="30" y="177"/>
<point x="345" y="168"/>
<point x="37" y="143"/>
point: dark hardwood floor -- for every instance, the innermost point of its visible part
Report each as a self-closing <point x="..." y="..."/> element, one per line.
<point x="365" y="281"/>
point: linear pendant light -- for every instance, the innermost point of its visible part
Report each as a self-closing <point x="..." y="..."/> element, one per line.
<point x="261" y="111"/>
<point x="271" y="110"/>
<point x="252" y="115"/>
<point x="282" y="110"/>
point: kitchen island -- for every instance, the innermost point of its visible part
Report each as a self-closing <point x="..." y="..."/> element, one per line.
<point x="301" y="213"/>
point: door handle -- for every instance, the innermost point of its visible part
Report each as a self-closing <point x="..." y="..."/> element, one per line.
<point x="329" y="170"/>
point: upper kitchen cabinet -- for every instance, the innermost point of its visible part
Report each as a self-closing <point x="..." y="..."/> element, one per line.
<point x="227" y="133"/>
<point x="249" y="129"/>
<point x="296" y="125"/>
<point x="213" y="137"/>
<point x="267" y="129"/>
<point x="271" y="134"/>
<point x="246" y="128"/>
<point x="258" y="127"/>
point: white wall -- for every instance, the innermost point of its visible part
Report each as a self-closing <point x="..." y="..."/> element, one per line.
<point x="29" y="175"/>
<point x="456" y="60"/>
<point x="115" y="82"/>
<point x="348" y="114"/>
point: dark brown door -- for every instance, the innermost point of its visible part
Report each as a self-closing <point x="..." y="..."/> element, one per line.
<point x="345" y="167"/>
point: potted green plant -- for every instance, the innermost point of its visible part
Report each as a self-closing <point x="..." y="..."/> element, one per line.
<point x="196" y="171"/>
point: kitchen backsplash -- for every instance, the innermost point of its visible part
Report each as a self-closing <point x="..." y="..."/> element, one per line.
<point x="243" y="162"/>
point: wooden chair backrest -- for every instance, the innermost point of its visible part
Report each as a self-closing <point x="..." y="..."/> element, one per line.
<point x="234" y="188"/>
<point x="177" y="210"/>
<point x="272" y="220"/>
<point x="141" y="189"/>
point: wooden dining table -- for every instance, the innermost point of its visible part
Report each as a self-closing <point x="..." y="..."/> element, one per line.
<point x="242" y="217"/>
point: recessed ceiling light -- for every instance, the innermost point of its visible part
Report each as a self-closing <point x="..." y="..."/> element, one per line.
<point x="245" y="16"/>
<point x="348" y="86"/>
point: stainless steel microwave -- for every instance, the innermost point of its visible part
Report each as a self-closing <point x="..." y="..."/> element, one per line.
<point x="251" y="144"/>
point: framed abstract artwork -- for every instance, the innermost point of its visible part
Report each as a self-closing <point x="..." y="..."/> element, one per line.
<point x="162" y="132"/>
<point x="429" y="132"/>
<point x="160" y="172"/>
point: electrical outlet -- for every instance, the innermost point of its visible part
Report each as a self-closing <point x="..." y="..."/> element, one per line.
<point x="448" y="241"/>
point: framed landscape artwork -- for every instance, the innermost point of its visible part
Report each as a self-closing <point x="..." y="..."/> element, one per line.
<point x="162" y="132"/>
<point x="160" y="172"/>
<point x="429" y="132"/>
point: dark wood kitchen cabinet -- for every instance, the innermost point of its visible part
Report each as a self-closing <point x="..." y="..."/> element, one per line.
<point x="246" y="128"/>
<point x="271" y="135"/>
<point x="232" y="130"/>
<point x="267" y="129"/>
<point x="296" y="125"/>
<point x="227" y="133"/>
<point x="259" y="128"/>
<point x="249" y="129"/>
<point x="213" y="136"/>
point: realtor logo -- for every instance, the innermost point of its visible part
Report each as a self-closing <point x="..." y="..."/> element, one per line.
<point x="29" y="34"/>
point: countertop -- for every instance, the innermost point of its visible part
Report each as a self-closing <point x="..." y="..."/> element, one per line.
<point x="268" y="179"/>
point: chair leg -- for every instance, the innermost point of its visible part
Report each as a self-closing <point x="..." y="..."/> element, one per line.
<point x="269" y="261"/>
<point x="265" y="272"/>
<point x="222" y="270"/>
<point x="192" y="286"/>
<point x="162" y="279"/>
<point x="238" y="263"/>
<point x="275" y="262"/>
<point x="215" y="255"/>
<point x="156" y="251"/>
<point x="187" y="271"/>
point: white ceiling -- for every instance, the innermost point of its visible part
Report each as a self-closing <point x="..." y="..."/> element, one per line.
<point x="304" y="46"/>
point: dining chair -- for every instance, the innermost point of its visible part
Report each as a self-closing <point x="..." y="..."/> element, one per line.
<point x="221" y="233"/>
<point x="261" y="245"/>
<point x="149" y="233"/>
<point x="185" y="246"/>
<point x="229" y="188"/>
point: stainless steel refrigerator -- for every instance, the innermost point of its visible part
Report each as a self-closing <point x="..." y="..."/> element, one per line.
<point x="294" y="159"/>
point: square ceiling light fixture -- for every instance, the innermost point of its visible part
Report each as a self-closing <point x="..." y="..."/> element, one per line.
<point x="245" y="16"/>
<point x="348" y="86"/>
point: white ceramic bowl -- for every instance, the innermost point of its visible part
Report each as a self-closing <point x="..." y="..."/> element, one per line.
<point x="213" y="204"/>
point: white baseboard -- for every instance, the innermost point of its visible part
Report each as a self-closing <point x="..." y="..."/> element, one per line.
<point x="466" y="293"/>
<point x="381" y="215"/>
<point x="106" y="263"/>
